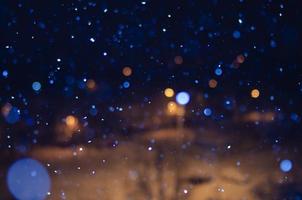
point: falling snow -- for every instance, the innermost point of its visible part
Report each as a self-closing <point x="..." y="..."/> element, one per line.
<point x="150" y="100"/>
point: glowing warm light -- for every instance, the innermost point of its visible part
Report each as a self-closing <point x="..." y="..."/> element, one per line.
<point x="71" y="121"/>
<point x="127" y="71"/>
<point x="66" y="130"/>
<point x="169" y="92"/>
<point x="240" y="59"/>
<point x="255" y="93"/>
<point x="91" y="85"/>
<point x="172" y="108"/>
<point x="178" y="60"/>
<point x="212" y="83"/>
<point x="259" y="116"/>
<point x="6" y="109"/>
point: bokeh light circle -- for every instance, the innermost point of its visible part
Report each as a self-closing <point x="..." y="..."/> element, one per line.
<point x="27" y="179"/>
<point x="286" y="165"/>
<point x="127" y="71"/>
<point x="126" y="84"/>
<point x="169" y="92"/>
<point x="207" y="112"/>
<point x="5" y="73"/>
<point x="36" y="86"/>
<point x="218" y="71"/>
<point x="255" y="93"/>
<point x="183" y="98"/>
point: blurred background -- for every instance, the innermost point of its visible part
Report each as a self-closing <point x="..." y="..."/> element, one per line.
<point x="150" y="100"/>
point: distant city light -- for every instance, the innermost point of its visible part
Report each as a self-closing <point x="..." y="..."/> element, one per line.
<point x="255" y="93"/>
<point x="183" y="98"/>
<point x="174" y="109"/>
<point x="169" y="92"/>
<point x="91" y="84"/>
<point x="6" y="109"/>
<point x="127" y="71"/>
<point x="286" y="165"/>
<point x="171" y="107"/>
<point x="71" y="121"/>
<point x="213" y="83"/>
<point x="36" y="86"/>
<point x="28" y="179"/>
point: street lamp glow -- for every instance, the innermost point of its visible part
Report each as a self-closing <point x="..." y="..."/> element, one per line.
<point x="183" y="98"/>
<point x="169" y="92"/>
<point x="255" y="93"/>
<point x="171" y="108"/>
<point x="71" y="121"/>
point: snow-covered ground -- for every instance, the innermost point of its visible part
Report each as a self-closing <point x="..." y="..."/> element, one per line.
<point x="210" y="168"/>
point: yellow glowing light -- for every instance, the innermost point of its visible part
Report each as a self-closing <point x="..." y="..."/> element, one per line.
<point x="212" y="83"/>
<point x="71" y="121"/>
<point x="127" y="71"/>
<point x="178" y="60"/>
<point x="172" y="107"/>
<point x="255" y="93"/>
<point x="91" y="85"/>
<point x="169" y="92"/>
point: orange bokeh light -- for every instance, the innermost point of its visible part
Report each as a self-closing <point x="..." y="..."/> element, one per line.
<point x="91" y="85"/>
<point x="213" y="83"/>
<point x="255" y="93"/>
<point x="127" y="71"/>
<point x="71" y="121"/>
<point x="169" y="92"/>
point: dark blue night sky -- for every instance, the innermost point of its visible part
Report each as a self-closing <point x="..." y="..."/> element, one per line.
<point x="102" y="68"/>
